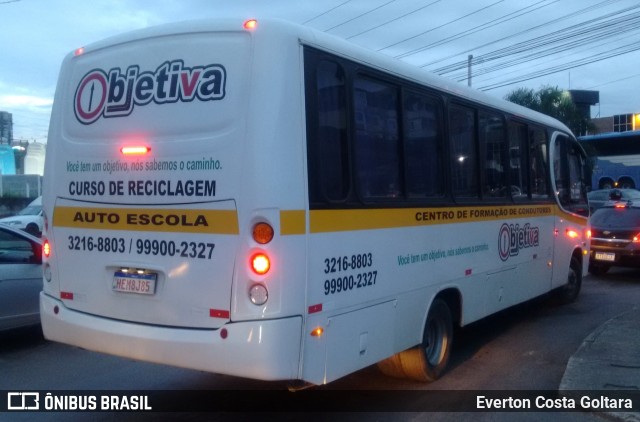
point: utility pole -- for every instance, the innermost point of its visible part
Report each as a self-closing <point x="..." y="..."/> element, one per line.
<point x="469" y="69"/>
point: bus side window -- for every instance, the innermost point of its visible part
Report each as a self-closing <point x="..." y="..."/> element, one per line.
<point x="463" y="153"/>
<point x="539" y="159"/>
<point x="331" y="143"/>
<point x="518" y="162"/>
<point x="494" y="152"/>
<point x="424" y="155"/>
<point x="377" y="139"/>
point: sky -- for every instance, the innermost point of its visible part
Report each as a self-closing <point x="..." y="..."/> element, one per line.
<point x="569" y="44"/>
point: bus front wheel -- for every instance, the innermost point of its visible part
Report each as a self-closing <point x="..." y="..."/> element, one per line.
<point x="427" y="361"/>
<point x="569" y="292"/>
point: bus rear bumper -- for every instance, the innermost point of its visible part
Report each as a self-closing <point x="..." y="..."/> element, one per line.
<point x="265" y="350"/>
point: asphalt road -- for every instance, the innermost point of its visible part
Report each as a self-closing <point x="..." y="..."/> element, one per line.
<point x="523" y="348"/>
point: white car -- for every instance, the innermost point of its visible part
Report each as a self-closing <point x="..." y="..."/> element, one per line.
<point x="30" y="219"/>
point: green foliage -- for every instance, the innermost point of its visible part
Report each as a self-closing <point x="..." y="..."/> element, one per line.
<point x="553" y="102"/>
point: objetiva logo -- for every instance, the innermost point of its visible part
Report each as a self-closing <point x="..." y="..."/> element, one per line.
<point x="114" y="93"/>
<point x="512" y="238"/>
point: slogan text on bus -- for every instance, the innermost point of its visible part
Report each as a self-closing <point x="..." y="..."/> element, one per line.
<point x="115" y="93"/>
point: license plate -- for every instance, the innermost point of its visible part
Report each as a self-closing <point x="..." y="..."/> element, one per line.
<point x="143" y="284"/>
<point x="605" y="256"/>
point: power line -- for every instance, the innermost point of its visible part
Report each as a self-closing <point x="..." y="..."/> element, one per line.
<point x="545" y="24"/>
<point x="482" y="27"/>
<point x="324" y="13"/>
<point x="441" y="26"/>
<point x="567" y="38"/>
<point x="536" y="56"/>
<point x="614" y="81"/>
<point x="395" y="19"/>
<point x="590" y="37"/>
<point x="359" y="16"/>
<point x="560" y="68"/>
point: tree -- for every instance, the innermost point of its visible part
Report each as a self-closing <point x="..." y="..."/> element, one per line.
<point x="553" y="102"/>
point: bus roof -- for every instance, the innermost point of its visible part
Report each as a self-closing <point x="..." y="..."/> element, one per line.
<point x="335" y="45"/>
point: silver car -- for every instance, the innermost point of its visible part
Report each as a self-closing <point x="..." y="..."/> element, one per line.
<point x="20" y="278"/>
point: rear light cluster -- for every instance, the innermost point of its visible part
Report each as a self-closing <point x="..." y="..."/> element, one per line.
<point x="260" y="263"/>
<point x="46" y="248"/>
<point x="46" y="251"/>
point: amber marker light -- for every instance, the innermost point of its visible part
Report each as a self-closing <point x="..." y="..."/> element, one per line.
<point x="572" y="233"/>
<point x="250" y="24"/>
<point x="135" y="150"/>
<point x="317" y="332"/>
<point x="262" y="233"/>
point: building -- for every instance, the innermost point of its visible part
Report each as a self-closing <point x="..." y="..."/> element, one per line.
<point x="618" y="123"/>
<point x="6" y="127"/>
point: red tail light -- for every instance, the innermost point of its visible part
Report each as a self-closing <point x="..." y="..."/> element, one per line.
<point x="46" y="248"/>
<point x="260" y="263"/>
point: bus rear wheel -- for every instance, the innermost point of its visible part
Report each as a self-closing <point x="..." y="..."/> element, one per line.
<point x="427" y="361"/>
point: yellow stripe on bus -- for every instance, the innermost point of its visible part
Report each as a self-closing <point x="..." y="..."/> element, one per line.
<point x="325" y="221"/>
<point x="148" y="220"/>
<point x="292" y="222"/>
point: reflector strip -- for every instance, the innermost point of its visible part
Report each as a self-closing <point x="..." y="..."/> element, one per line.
<point x="66" y="295"/>
<point x="315" y="308"/>
<point x="219" y="313"/>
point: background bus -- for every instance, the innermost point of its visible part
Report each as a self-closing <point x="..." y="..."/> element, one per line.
<point x="615" y="158"/>
<point x="299" y="207"/>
